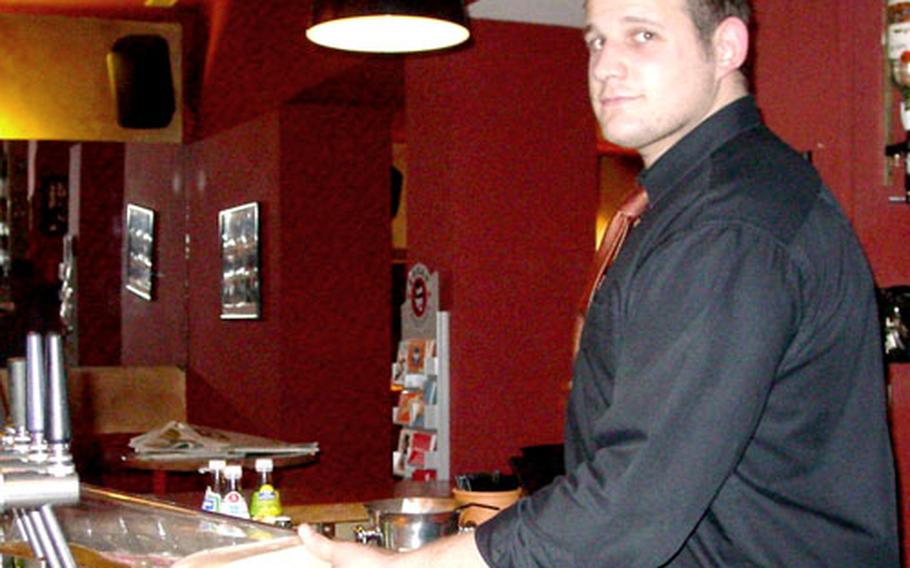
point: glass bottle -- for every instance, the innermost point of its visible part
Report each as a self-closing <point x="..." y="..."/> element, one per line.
<point x="898" y="49"/>
<point x="214" y="492"/>
<point x="266" y="502"/>
<point x="233" y="503"/>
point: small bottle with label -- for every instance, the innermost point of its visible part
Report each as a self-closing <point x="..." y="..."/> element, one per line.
<point x="214" y="492"/>
<point x="233" y="502"/>
<point x="265" y="505"/>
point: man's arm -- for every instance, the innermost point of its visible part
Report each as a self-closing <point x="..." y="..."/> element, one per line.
<point x="457" y="551"/>
<point x="701" y="335"/>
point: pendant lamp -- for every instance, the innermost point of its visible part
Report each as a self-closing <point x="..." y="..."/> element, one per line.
<point x="388" y="26"/>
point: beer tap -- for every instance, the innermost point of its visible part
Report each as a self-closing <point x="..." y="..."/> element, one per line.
<point x="59" y="430"/>
<point x="26" y="376"/>
<point x="15" y="439"/>
<point x="15" y="442"/>
<point x="47" y="477"/>
<point x="37" y="397"/>
<point x="28" y="396"/>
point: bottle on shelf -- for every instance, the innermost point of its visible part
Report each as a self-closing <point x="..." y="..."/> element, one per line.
<point x="265" y="504"/>
<point x="233" y="503"/>
<point x="214" y="492"/>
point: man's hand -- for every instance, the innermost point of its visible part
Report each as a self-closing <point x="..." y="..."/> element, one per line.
<point x="343" y="554"/>
<point x="458" y="551"/>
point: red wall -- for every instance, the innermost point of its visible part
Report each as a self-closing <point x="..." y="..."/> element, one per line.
<point x="315" y="366"/>
<point x="154" y="333"/>
<point x="99" y="253"/>
<point x="335" y="294"/>
<point x="502" y="178"/>
<point x="231" y="361"/>
<point x="512" y="221"/>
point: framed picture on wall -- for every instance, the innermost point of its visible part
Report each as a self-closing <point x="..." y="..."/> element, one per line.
<point x="140" y="250"/>
<point x="238" y="229"/>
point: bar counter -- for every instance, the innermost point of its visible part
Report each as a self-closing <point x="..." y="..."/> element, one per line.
<point x="334" y="519"/>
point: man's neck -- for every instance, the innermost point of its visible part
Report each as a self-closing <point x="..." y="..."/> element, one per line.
<point x="731" y="88"/>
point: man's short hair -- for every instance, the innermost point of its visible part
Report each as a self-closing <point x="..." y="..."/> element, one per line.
<point x="708" y="14"/>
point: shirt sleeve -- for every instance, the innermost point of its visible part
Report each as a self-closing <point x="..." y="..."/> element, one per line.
<point x="703" y="322"/>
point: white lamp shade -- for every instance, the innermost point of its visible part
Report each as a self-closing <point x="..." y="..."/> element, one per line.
<point x="390" y="26"/>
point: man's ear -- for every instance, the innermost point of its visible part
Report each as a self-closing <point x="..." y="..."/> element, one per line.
<point x="731" y="45"/>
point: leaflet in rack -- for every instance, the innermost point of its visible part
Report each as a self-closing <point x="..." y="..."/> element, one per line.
<point x="420" y="377"/>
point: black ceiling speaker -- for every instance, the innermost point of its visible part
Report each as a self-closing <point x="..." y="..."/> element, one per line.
<point x="388" y="26"/>
<point x="139" y="67"/>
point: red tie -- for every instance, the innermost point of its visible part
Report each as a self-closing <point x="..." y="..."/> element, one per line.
<point x="622" y="222"/>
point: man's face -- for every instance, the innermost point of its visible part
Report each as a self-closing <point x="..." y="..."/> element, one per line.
<point x="651" y="79"/>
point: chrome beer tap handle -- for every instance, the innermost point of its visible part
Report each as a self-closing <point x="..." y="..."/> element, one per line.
<point x="18" y="403"/>
<point x="36" y="390"/>
<point x="59" y="430"/>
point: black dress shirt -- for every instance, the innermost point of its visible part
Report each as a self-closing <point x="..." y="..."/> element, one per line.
<point x="728" y="403"/>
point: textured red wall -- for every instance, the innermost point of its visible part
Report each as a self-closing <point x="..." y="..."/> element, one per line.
<point x="233" y="368"/>
<point x="335" y="295"/>
<point x="502" y="198"/>
<point x="99" y="251"/>
<point x="154" y="333"/>
<point x="315" y="367"/>
<point x="256" y="58"/>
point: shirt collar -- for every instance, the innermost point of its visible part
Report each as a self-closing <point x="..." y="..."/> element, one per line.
<point x="696" y="146"/>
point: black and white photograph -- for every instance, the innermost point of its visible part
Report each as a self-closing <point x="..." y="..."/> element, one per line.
<point x="140" y="250"/>
<point x="238" y="228"/>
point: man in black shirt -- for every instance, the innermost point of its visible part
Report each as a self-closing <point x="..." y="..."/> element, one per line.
<point x="728" y="402"/>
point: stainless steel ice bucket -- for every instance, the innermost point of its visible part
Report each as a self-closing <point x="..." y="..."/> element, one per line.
<point x="407" y="523"/>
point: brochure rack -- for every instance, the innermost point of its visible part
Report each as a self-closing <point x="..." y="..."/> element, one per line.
<point x="421" y="377"/>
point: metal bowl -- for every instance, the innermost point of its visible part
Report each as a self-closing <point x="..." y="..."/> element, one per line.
<point x="410" y="522"/>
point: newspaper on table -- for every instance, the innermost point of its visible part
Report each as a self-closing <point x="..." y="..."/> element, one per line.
<point x="177" y="440"/>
